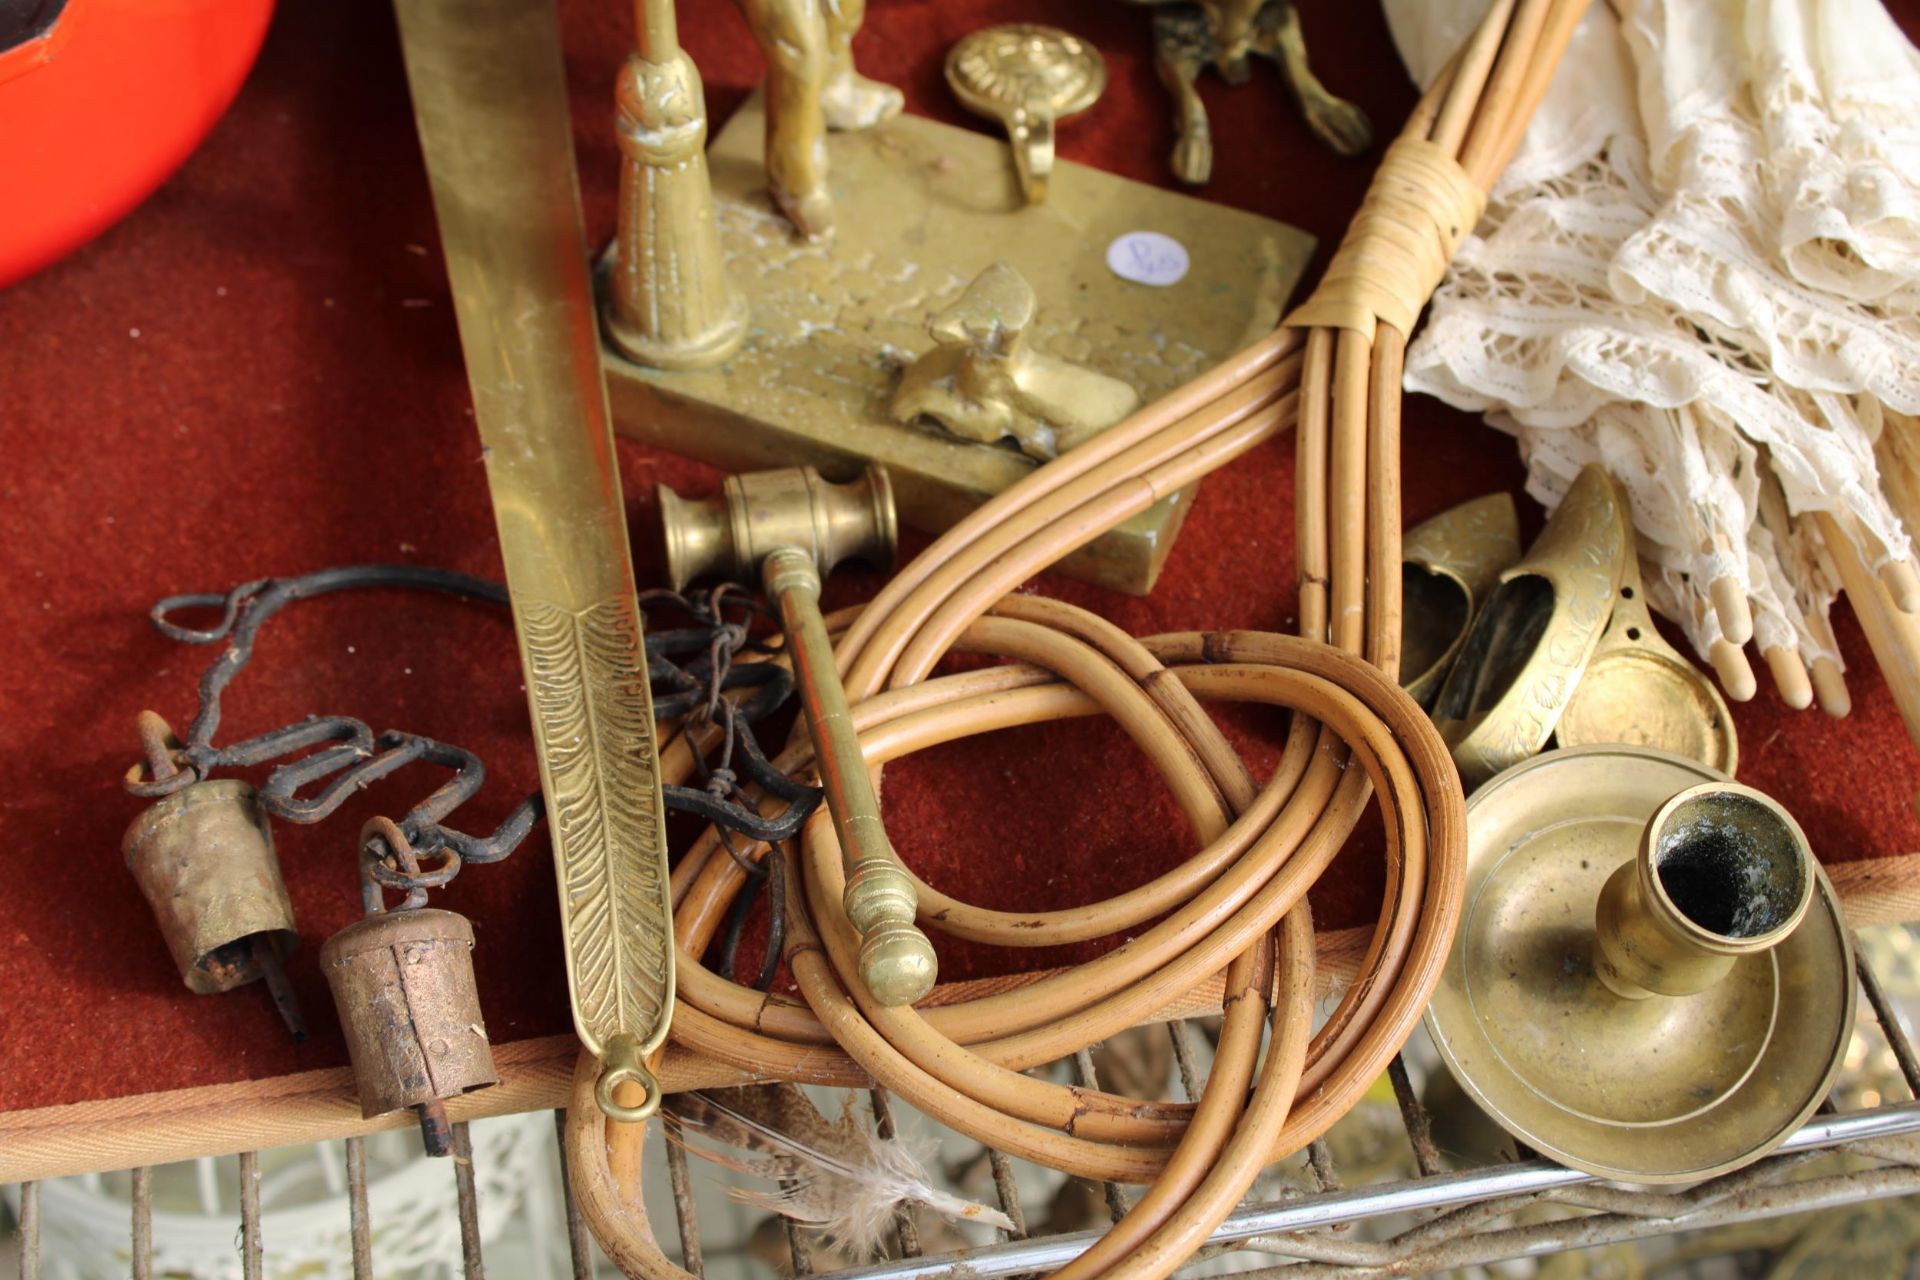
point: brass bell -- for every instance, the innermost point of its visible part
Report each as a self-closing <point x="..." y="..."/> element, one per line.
<point x="203" y="857"/>
<point x="403" y="985"/>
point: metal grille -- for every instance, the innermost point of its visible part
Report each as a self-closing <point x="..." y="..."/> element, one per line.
<point x="1461" y="1218"/>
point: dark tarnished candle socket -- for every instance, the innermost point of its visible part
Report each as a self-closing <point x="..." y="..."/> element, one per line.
<point x="1723" y="872"/>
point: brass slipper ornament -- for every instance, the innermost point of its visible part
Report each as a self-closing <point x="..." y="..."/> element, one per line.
<point x="1640" y="690"/>
<point x="1449" y="565"/>
<point x="1528" y="647"/>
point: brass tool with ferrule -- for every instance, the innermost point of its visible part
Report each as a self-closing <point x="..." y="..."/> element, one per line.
<point x="490" y="99"/>
<point x="791" y="527"/>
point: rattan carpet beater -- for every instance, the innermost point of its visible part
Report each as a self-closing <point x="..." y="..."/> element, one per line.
<point x="1240" y="901"/>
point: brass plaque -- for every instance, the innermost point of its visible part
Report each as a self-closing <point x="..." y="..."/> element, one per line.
<point x="923" y="208"/>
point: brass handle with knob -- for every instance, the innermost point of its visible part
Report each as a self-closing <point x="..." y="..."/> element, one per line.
<point x="792" y="527"/>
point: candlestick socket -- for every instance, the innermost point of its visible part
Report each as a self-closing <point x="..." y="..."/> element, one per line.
<point x="1722" y="872"/>
<point x="731" y="533"/>
<point x="204" y="858"/>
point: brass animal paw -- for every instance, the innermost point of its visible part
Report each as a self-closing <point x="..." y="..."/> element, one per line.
<point x="1193" y="35"/>
<point x="981" y="383"/>
<point x="1338" y="123"/>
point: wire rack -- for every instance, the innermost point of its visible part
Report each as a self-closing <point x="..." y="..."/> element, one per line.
<point x="1459" y="1218"/>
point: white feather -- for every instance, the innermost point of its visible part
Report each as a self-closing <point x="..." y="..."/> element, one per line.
<point x="837" y="1178"/>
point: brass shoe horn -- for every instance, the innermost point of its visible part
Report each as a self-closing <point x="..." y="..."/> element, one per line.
<point x="791" y="527"/>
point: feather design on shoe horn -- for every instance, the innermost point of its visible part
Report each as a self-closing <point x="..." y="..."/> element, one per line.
<point x="833" y="1176"/>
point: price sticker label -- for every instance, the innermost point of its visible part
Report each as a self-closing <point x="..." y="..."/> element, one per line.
<point x="1148" y="257"/>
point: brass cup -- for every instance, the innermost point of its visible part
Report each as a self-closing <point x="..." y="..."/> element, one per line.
<point x="1723" y="872"/>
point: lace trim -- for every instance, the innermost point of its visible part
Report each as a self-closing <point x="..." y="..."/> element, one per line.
<point x="1719" y="319"/>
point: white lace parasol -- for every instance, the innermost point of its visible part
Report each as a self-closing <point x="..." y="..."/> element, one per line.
<point x="1703" y="269"/>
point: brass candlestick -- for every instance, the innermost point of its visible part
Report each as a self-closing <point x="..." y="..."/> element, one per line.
<point x="791" y="526"/>
<point x="670" y="304"/>
<point x="1652" y="979"/>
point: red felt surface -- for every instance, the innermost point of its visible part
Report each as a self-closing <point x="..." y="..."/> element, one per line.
<point x="258" y="373"/>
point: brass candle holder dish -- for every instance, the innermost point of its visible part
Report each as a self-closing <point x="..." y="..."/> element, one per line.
<point x="1639" y="689"/>
<point x="1652" y="979"/>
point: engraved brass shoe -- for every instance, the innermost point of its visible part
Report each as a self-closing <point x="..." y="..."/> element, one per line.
<point x="1530" y="644"/>
<point x="1449" y="565"/>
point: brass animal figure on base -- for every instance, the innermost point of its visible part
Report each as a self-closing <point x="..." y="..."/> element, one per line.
<point x="981" y="381"/>
<point x="1192" y="35"/>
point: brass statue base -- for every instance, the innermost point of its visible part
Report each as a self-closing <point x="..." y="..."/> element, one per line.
<point x="923" y="209"/>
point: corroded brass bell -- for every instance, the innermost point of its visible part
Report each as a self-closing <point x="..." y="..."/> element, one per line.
<point x="203" y="857"/>
<point x="403" y="985"/>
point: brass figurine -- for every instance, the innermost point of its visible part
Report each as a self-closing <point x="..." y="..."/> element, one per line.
<point x="982" y="382"/>
<point x="490" y="98"/>
<point x="669" y="304"/>
<point x="1189" y="37"/>
<point x="927" y="205"/>
<point x="1652" y="980"/>
<point x="1449" y="565"/>
<point x="1029" y="78"/>
<point x="791" y="527"/>
<point x="812" y="87"/>
<point x="1639" y="689"/>
<point x="1529" y="645"/>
